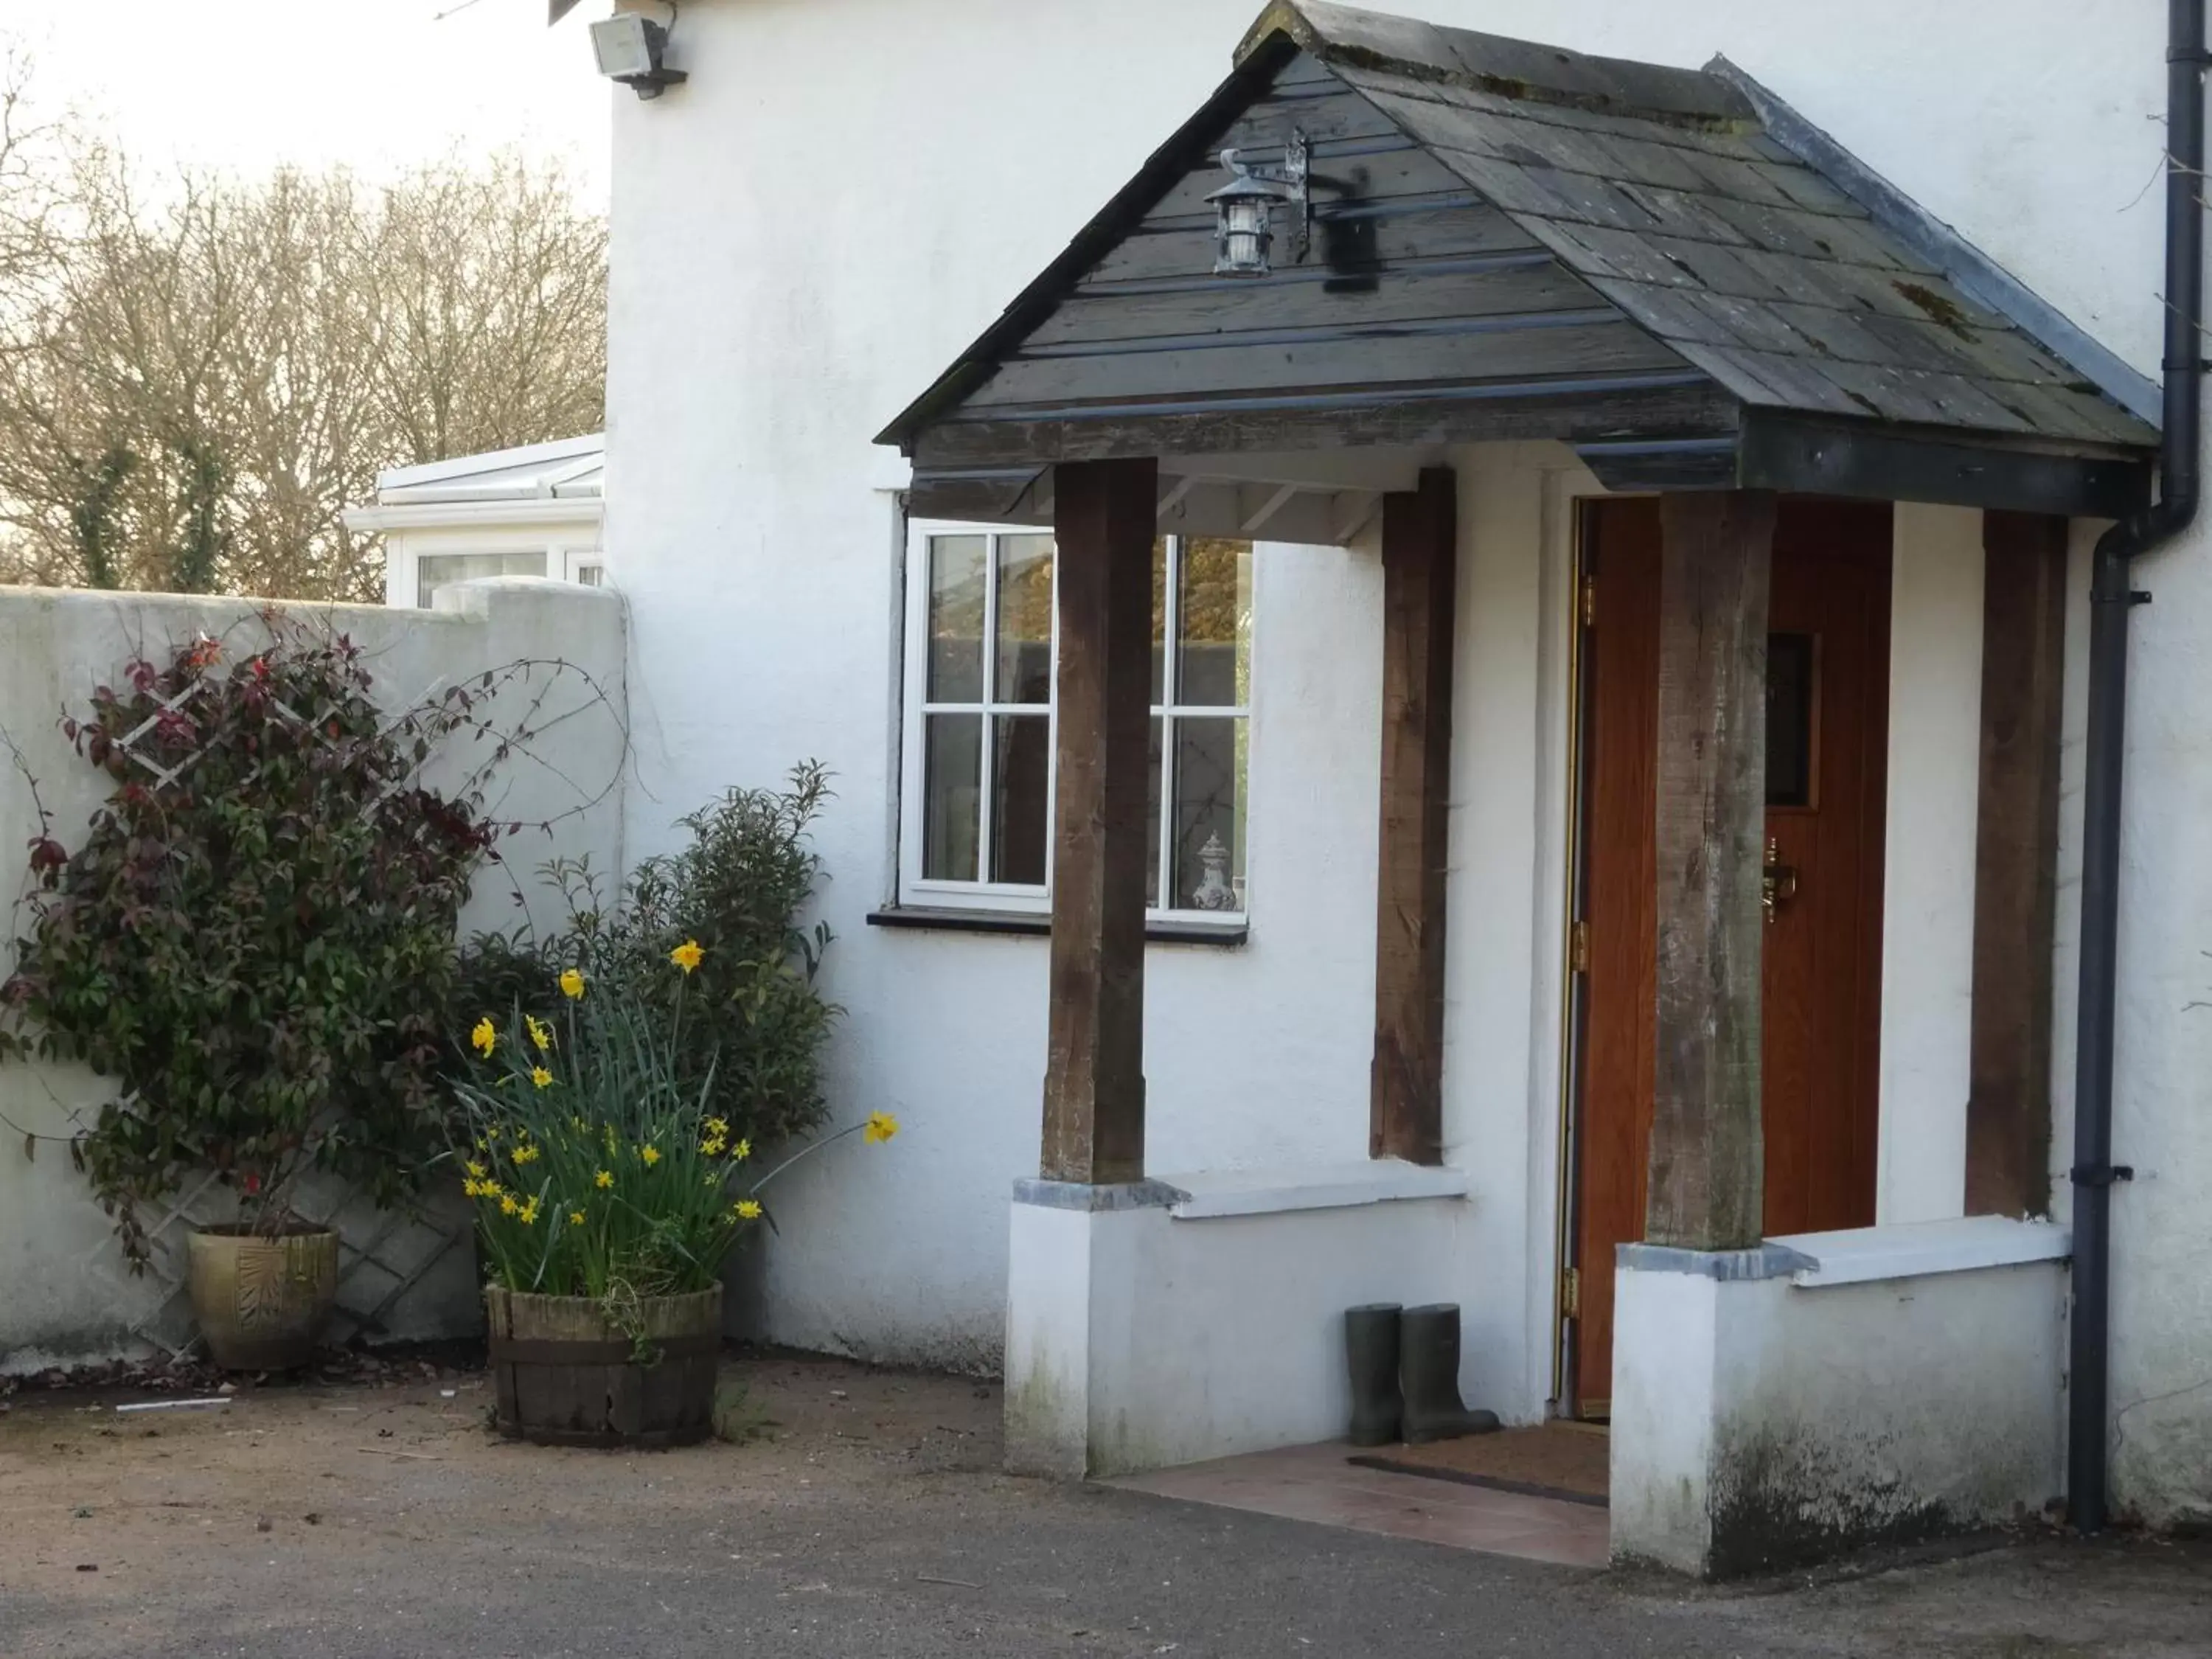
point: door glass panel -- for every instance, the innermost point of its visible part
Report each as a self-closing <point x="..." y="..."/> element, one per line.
<point x="956" y="618"/>
<point x="1792" y="696"/>
<point x="1025" y="642"/>
<point x="952" y="749"/>
<point x="1021" y="776"/>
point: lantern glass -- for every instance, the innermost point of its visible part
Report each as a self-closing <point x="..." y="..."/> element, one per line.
<point x="1243" y="231"/>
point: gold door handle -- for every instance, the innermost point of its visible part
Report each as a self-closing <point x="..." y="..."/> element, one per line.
<point x="1777" y="881"/>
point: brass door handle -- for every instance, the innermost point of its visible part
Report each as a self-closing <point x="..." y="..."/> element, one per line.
<point x="1777" y="881"/>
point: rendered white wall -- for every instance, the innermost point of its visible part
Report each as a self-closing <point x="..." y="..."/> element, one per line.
<point x="768" y="319"/>
<point x="1137" y="1339"/>
<point x="64" y="1294"/>
<point x="1928" y="909"/>
<point x="1757" y="1424"/>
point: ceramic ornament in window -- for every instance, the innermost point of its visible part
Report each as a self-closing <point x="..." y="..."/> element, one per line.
<point x="1214" y="892"/>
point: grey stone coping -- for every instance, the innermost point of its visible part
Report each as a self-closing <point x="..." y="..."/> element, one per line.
<point x="1767" y="1260"/>
<point x="1077" y="1196"/>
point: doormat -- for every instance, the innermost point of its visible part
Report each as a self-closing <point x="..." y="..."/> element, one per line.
<point x="1566" y="1460"/>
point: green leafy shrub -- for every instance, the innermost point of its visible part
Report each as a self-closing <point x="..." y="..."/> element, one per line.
<point x="256" y="939"/>
<point x="754" y="1023"/>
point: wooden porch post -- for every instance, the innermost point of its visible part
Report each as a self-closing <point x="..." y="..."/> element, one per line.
<point x="2016" y="863"/>
<point x="1707" y="1179"/>
<point x="1420" y="543"/>
<point x="1094" y="1084"/>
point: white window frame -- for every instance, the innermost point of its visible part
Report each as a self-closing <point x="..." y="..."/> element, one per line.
<point x="916" y="890"/>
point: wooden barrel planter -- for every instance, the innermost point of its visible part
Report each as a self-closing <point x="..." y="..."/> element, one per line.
<point x="564" y="1376"/>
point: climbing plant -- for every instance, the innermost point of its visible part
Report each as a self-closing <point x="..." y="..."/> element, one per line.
<point x="256" y="939"/>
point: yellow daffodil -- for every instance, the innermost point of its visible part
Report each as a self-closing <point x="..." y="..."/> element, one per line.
<point x="747" y="1210"/>
<point x="472" y="1188"/>
<point x="506" y="1204"/>
<point x="605" y="1178"/>
<point x="571" y="984"/>
<point x="712" y="1145"/>
<point x="880" y="1128"/>
<point x="475" y="1169"/>
<point x="688" y="955"/>
<point x="525" y="1154"/>
<point x="541" y="1077"/>
<point x="742" y="1151"/>
<point x="483" y="1036"/>
<point x="527" y="1215"/>
<point x="575" y="1218"/>
<point x="540" y="1033"/>
<point x="649" y="1155"/>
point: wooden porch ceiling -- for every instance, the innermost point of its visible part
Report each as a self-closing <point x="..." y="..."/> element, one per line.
<point x="1665" y="268"/>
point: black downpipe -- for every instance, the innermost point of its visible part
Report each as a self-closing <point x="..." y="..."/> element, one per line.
<point x="2112" y="596"/>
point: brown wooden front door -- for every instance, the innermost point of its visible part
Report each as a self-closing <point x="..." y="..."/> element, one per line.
<point x="1827" y="743"/>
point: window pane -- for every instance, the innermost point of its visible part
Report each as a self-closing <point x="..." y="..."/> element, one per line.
<point x="1021" y="782"/>
<point x="952" y="747"/>
<point x="1208" y="852"/>
<point x="1214" y="616"/>
<point x="1024" y="671"/>
<point x="956" y="618"/>
<point x="1159" y="618"/>
<point x="1152" y="818"/>
<point x="435" y="570"/>
<point x="1790" y="700"/>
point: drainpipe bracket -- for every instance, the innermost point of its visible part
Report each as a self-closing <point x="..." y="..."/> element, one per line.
<point x="2100" y="1175"/>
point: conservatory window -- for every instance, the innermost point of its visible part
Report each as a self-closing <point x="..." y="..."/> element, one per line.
<point x="976" y="801"/>
<point x="435" y="570"/>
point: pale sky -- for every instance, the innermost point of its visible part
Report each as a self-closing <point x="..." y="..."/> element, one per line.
<point x="376" y="84"/>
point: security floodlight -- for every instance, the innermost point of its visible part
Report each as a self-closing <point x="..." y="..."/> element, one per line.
<point x="630" y="50"/>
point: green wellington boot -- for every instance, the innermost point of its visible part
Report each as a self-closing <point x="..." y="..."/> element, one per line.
<point x="1428" y="1377"/>
<point x="1370" y="1345"/>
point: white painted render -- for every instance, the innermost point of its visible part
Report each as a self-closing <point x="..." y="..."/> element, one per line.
<point x="69" y="1296"/>
<point x="846" y="191"/>
<point x="1137" y="1338"/>
<point x="1928" y="923"/>
<point x="1760" y="1415"/>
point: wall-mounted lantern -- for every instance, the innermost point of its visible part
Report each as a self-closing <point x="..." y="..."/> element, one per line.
<point x="630" y="49"/>
<point x="1243" y="211"/>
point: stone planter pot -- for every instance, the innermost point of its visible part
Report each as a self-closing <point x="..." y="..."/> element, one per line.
<point x="563" y="1376"/>
<point x="260" y="1301"/>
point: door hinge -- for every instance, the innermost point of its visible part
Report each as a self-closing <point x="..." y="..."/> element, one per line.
<point x="1578" y="948"/>
<point x="1570" y="1294"/>
<point x="1589" y="601"/>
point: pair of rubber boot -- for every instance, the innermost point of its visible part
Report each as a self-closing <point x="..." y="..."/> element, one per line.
<point x="1405" y="1376"/>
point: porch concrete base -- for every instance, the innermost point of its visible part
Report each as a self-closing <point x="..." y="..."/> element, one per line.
<point x="1776" y="1405"/>
<point x="1166" y="1322"/>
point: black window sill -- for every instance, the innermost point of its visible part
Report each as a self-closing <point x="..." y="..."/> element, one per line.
<point x="1030" y="925"/>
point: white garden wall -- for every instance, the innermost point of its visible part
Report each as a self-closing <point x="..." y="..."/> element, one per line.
<point x="64" y="1294"/>
<point x="784" y="282"/>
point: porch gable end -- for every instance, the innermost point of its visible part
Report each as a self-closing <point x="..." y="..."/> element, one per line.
<point x="1514" y="241"/>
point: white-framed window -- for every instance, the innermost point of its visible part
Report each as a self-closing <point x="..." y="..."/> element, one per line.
<point x="976" y="797"/>
<point x="435" y="570"/>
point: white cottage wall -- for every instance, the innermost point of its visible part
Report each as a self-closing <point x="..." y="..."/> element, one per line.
<point x="846" y="192"/>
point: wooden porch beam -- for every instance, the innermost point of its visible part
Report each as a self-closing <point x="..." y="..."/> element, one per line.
<point x="1420" y="543"/>
<point x="1707" y="1176"/>
<point x="1094" y="1086"/>
<point x="2016" y="863"/>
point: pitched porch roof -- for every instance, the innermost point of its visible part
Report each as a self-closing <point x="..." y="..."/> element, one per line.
<point x="1666" y="268"/>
